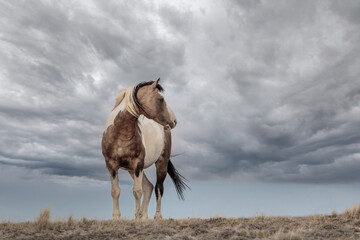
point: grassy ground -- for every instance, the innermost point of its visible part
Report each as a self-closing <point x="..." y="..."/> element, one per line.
<point x="334" y="226"/>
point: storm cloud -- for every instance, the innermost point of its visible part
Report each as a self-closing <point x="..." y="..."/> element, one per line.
<point x="265" y="91"/>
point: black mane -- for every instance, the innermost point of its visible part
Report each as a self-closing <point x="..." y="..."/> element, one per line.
<point x="142" y="84"/>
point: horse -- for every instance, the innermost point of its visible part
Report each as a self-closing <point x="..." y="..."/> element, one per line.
<point x="137" y="135"/>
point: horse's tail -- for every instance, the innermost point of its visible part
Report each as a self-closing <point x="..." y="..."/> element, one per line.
<point x="178" y="180"/>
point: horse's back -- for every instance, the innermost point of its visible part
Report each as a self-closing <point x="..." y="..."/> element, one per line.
<point x="153" y="139"/>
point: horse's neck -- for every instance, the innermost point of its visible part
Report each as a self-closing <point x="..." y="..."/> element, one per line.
<point x="126" y="125"/>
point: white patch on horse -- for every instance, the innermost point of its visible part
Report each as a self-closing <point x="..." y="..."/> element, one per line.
<point x="113" y="114"/>
<point x="153" y="138"/>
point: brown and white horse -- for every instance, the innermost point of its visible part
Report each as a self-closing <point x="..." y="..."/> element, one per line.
<point x="137" y="135"/>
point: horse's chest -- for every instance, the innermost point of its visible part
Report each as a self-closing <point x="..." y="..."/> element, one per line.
<point x="153" y="139"/>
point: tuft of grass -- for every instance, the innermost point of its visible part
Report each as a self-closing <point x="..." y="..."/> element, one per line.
<point x="84" y="220"/>
<point x="43" y="220"/>
<point x="333" y="213"/>
<point x="351" y="213"/>
<point x="70" y="221"/>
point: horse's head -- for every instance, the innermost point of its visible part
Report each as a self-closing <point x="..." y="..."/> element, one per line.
<point x="152" y="104"/>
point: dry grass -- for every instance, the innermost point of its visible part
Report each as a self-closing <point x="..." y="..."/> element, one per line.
<point x="352" y="212"/>
<point x="333" y="226"/>
<point x="291" y="235"/>
<point x="43" y="220"/>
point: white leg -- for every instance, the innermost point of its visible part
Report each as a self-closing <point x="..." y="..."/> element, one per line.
<point x="115" y="193"/>
<point x="137" y="191"/>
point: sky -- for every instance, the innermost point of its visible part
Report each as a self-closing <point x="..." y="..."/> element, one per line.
<point x="266" y="95"/>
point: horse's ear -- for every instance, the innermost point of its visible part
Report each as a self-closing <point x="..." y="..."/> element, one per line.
<point x="155" y="83"/>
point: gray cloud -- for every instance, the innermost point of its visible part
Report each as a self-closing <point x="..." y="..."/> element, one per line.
<point x="262" y="90"/>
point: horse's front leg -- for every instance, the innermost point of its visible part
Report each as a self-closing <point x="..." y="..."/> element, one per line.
<point x="115" y="193"/>
<point x="137" y="191"/>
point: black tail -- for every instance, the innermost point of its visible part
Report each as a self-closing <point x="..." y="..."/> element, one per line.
<point x="177" y="179"/>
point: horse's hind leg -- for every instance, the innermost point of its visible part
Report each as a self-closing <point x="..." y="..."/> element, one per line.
<point x="147" y="190"/>
<point x="115" y="193"/>
<point x="161" y="171"/>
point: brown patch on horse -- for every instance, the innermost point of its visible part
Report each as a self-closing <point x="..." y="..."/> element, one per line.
<point x="122" y="144"/>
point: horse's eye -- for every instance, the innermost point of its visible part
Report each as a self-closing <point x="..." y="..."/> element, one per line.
<point x="161" y="100"/>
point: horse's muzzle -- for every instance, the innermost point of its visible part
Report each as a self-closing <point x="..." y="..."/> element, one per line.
<point x="172" y="124"/>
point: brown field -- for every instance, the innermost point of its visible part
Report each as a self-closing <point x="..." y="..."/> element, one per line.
<point x="334" y="226"/>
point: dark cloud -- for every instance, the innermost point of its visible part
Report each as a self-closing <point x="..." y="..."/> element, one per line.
<point x="262" y="90"/>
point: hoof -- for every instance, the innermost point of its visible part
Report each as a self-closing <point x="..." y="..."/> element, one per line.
<point x="144" y="217"/>
<point x="158" y="216"/>
<point x="138" y="215"/>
